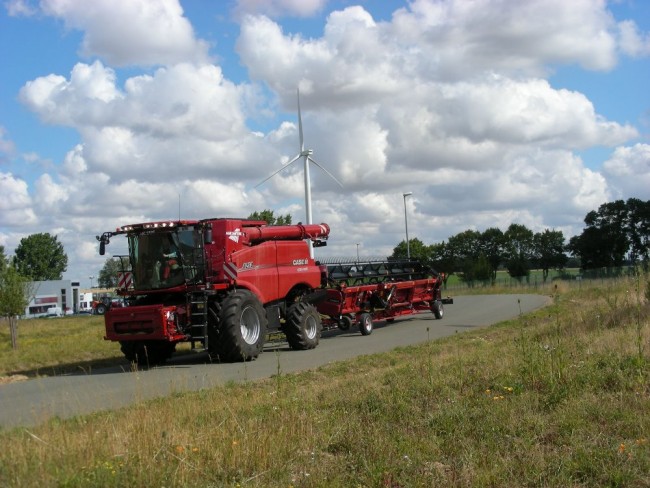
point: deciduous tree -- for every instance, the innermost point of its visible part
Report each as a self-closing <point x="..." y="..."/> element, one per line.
<point x="41" y="257"/>
<point x="606" y="239"/>
<point x="441" y="259"/>
<point x="492" y="243"/>
<point x="518" y="250"/>
<point x="638" y="227"/>
<point x="14" y="296"/>
<point x="108" y="274"/>
<point x="548" y="249"/>
<point x="465" y="248"/>
<point x="418" y="250"/>
<point x="270" y="218"/>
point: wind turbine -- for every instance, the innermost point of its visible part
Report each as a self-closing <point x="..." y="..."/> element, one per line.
<point x="306" y="155"/>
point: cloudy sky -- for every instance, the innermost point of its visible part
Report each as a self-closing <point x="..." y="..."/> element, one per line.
<point x="489" y="111"/>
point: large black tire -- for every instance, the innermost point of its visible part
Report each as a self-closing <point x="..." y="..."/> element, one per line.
<point x="438" y="309"/>
<point x="100" y="309"/>
<point x="303" y="326"/>
<point x="147" y="353"/>
<point x="365" y="324"/>
<point x="242" y="328"/>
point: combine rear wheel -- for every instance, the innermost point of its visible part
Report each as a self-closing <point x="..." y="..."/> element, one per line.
<point x="303" y="326"/>
<point x="365" y="324"/>
<point x="242" y="328"/>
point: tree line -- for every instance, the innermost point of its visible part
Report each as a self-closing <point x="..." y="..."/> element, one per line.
<point x="617" y="233"/>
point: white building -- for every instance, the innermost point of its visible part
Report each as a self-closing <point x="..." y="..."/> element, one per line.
<point x="58" y="297"/>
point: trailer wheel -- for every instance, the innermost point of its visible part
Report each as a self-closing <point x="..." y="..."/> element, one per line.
<point x="303" y="326"/>
<point x="365" y="324"/>
<point x="345" y="322"/>
<point x="147" y="353"/>
<point x="242" y="328"/>
<point x="437" y="309"/>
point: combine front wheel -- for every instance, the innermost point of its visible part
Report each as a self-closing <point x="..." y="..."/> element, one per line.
<point x="303" y="327"/>
<point x="242" y="330"/>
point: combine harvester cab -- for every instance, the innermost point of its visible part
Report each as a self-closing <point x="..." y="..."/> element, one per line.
<point x="360" y="293"/>
<point x="222" y="284"/>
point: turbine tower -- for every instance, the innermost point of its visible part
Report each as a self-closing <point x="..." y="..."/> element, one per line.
<point x="306" y="155"/>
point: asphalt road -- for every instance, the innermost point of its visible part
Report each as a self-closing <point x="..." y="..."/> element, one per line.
<point x="35" y="401"/>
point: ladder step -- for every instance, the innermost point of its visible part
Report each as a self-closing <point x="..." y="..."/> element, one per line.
<point x="198" y="317"/>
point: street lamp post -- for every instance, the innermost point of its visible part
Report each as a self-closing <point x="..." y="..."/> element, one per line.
<point x="91" y="281"/>
<point x="406" y="225"/>
<point x="358" y="251"/>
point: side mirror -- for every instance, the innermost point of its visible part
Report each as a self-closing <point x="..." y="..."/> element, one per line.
<point x="103" y="240"/>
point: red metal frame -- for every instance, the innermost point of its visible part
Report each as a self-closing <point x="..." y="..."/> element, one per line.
<point x="270" y="261"/>
<point x="382" y="300"/>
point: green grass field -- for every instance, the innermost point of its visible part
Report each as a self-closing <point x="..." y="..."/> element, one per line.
<point x="556" y="398"/>
<point x="55" y="345"/>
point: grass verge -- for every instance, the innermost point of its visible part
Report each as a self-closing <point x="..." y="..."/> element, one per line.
<point x="556" y="398"/>
<point x="55" y="346"/>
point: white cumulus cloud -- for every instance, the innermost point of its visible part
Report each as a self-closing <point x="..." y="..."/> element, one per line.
<point x="15" y="204"/>
<point x="131" y="32"/>
<point x="628" y="171"/>
<point x="450" y="100"/>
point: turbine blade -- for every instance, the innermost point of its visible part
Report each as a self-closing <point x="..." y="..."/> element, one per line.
<point x="293" y="160"/>
<point x="276" y="172"/>
<point x="302" y="145"/>
<point x="325" y="171"/>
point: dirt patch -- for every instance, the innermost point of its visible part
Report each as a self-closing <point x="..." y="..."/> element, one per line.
<point x="13" y="378"/>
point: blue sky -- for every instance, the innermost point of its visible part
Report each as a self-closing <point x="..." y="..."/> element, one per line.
<point x="490" y="112"/>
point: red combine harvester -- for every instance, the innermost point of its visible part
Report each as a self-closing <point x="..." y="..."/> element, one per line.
<point x="365" y="291"/>
<point x="225" y="283"/>
<point x="221" y="283"/>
